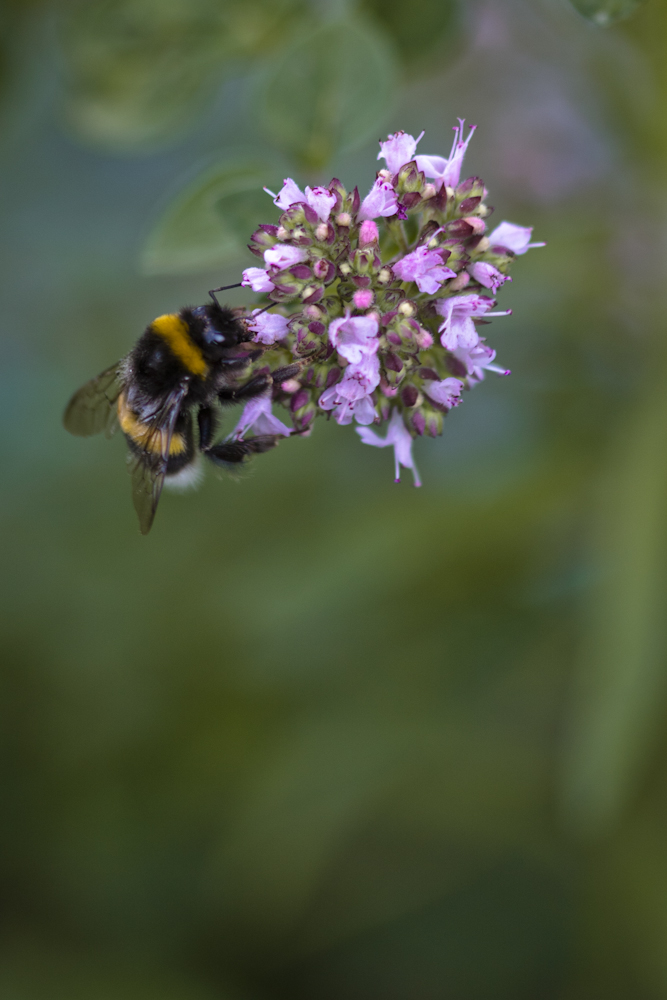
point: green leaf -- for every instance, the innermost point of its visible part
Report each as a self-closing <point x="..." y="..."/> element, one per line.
<point x="210" y="222"/>
<point x="621" y="682"/>
<point x="604" y="12"/>
<point x="329" y="91"/>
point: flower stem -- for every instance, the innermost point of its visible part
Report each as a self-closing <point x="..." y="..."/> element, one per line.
<point x="397" y="231"/>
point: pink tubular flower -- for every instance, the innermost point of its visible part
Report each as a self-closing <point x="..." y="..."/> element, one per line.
<point x="351" y="396"/>
<point x="258" y="418"/>
<point x="477" y="359"/>
<point x="257" y="279"/>
<point x="488" y="275"/>
<point x="267" y="327"/>
<point x="425" y="267"/>
<point x="457" y="329"/>
<point x="320" y="199"/>
<point x="379" y="202"/>
<point x="355" y="337"/>
<point x="399" y="437"/>
<point x="515" y="238"/>
<point x="447" y="172"/>
<point x="288" y="195"/>
<point x="447" y="392"/>
<point x="282" y="255"/>
<point x="397" y="150"/>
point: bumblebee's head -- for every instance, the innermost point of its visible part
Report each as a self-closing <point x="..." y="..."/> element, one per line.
<point x="214" y="329"/>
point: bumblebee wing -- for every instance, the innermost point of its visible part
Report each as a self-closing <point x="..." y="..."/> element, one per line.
<point x="148" y="465"/>
<point x="93" y="408"/>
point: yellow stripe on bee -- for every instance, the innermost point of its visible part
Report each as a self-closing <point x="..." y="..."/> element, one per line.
<point x="144" y="436"/>
<point x="174" y="331"/>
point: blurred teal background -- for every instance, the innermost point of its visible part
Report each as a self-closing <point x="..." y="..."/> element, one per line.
<point x="318" y="735"/>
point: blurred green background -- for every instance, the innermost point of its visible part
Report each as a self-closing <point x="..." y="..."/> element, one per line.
<point x="318" y="735"/>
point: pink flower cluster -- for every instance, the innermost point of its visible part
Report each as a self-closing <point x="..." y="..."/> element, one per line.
<point x="381" y="316"/>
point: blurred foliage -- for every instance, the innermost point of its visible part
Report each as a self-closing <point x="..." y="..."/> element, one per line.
<point x="320" y="735"/>
<point x="327" y="92"/>
<point x="137" y="70"/>
<point x="208" y="225"/>
<point x="622" y="680"/>
<point x="604" y="12"/>
<point x="430" y="32"/>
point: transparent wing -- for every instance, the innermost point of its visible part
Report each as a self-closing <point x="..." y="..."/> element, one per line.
<point x="148" y="465"/>
<point x="92" y="409"/>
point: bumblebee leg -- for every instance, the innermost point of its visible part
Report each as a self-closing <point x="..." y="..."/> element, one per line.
<point x="223" y="288"/>
<point x="258" y="385"/>
<point x="254" y="387"/>
<point x="233" y="452"/>
<point x="207" y="427"/>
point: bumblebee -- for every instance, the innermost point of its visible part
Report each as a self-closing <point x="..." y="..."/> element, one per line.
<point x="165" y="396"/>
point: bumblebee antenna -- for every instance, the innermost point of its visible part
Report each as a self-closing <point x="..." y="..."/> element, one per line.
<point x="223" y="288"/>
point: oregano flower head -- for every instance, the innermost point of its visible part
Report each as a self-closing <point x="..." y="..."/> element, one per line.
<point x="378" y="300"/>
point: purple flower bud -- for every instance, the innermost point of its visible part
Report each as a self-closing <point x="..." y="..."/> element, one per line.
<point x="459" y="282"/>
<point x="433" y="423"/>
<point x="290" y="385"/>
<point x="478" y="225"/>
<point x="363" y="298"/>
<point x="393" y="362"/>
<point x="409" y="395"/>
<point x="470" y="187"/>
<point x="468" y="205"/>
<point x="301" y="272"/>
<point x="333" y="375"/>
<point x="368" y="233"/>
<point x="410" y="199"/>
<point x="261" y="240"/>
<point x="299" y="399"/>
<point x="458" y="229"/>
<point x="424" y="339"/>
<point x="312" y="295"/>
<point x="325" y="270"/>
<point x="418" y="422"/>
